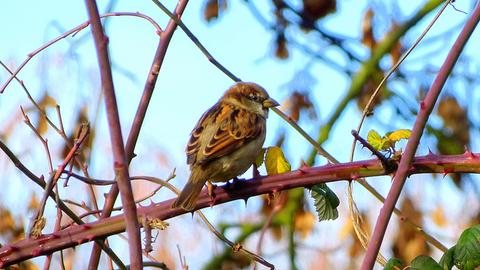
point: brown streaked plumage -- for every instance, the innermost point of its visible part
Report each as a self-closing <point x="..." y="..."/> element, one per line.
<point x="226" y="140"/>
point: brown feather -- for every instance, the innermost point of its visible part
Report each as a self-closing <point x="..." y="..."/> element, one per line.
<point x="226" y="139"/>
<point x="235" y="130"/>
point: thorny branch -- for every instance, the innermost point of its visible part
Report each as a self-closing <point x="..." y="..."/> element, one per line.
<point x="75" y="235"/>
<point x="165" y="38"/>
<point x="120" y="164"/>
<point x="426" y="107"/>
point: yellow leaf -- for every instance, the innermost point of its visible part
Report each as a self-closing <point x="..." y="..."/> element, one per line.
<point x="275" y="161"/>
<point x="398" y="135"/>
<point x="304" y="222"/>
<point x="374" y="139"/>
<point x="346" y="229"/>
<point x="438" y="217"/>
<point x="7" y="221"/>
<point x="34" y="204"/>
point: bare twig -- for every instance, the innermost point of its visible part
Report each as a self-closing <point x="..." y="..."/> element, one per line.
<point x="235" y="246"/>
<point x="60" y="131"/>
<point x="196" y="41"/>
<point x="39" y="136"/>
<point x="426" y="107"/>
<point x="120" y="164"/>
<point x="95" y="212"/>
<point x="183" y="261"/>
<point x="53" y="179"/>
<point x="73" y="31"/>
<point x="276" y="208"/>
<point x="368" y="67"/>
<point x="41" y="182"/>
<point x="165" y="37"/>
<point x="394" y="68"/>
<point x="374" y="151"/>
<point x="361" y="235"/>
<point x="304" y="134"/>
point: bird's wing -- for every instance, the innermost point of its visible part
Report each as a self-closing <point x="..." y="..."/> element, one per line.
<point x="235" y="128"/>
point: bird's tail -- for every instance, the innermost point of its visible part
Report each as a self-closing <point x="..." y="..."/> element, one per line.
<point x="189" y="194"/>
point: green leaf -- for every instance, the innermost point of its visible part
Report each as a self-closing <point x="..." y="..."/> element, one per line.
<point x="423" y="262"/>
<point x="375" y="139"/>
<point x="325" y="201"/>
<point x="446" y="262"/>
<point x="275" y="161"/>
<point x="260" y="158"/>
<point x="467" y="251"/>
<point x="394" y="264"/>
<point x="398" y="135"/>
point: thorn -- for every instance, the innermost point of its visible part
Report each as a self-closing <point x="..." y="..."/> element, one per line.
<point x="422" y="105"/>
<point x="246" y="200"/>
<point x="447" y="171"/>
<point x="270" y="198"/>
<point x="301" y="171"/>
<point x="303" y="168"/>
<point x="36" y="252"/>
<point x="81" y="241"/>
<point x="412" y="167"/>
<point x="469" y="154"/>
<point x="90" y="237"/>
<point x="303" y="164"/>
<point x="430" y="153"/>
<point x="44" y="238"/>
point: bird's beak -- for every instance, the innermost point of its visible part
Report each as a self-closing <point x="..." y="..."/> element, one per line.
<point x="269" y="103"/>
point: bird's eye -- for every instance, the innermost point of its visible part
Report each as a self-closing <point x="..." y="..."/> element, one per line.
<point x="254" y="97"/>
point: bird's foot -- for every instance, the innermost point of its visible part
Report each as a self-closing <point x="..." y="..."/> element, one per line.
<point x="255" y="172"/>
<point x="211" y="190"/>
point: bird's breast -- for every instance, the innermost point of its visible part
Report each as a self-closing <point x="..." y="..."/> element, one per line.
<point x="239" y="161"/>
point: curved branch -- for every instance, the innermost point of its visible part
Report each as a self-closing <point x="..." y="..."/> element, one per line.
<point x="76" y="235"/>
<point x="120" y="163"/>
<point x="73" y="31"/>
<point x="426" y="107"/>
<point x="368" y="67"/>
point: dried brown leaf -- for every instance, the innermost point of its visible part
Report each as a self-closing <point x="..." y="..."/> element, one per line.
<point x="368" y="38"/>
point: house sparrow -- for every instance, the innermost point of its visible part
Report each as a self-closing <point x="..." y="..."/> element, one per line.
<point x="226" y="140"/>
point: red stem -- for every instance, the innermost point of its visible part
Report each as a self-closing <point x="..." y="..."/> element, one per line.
<point x="119" y="157"/>
<point x="426" y="107"/>
<point x="79" y="234"/>
<point x="165" y="38"/>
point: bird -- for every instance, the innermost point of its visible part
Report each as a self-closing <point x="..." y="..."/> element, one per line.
<point x="226" y="140"/>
